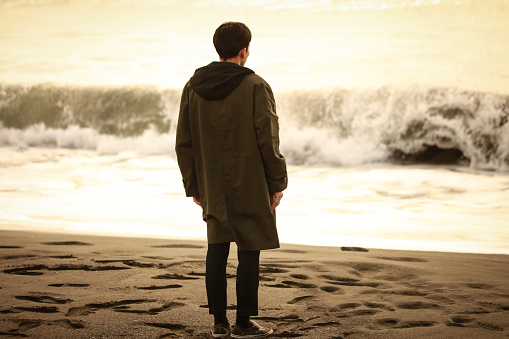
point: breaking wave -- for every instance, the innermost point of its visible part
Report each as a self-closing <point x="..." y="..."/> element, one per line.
<point x="338" y="127"/>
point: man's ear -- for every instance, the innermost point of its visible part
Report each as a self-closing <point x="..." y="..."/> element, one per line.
<point x="242" y="53"/>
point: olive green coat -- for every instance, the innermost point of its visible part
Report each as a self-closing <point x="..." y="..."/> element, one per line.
<point x="228" y="154"/>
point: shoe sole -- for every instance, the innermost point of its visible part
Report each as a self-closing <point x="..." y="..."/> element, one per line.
<point x="222" y="335"/>
<point x="265" y="335"/>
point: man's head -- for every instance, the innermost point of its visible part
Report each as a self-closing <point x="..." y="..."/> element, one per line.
<point x="230" y="39"/>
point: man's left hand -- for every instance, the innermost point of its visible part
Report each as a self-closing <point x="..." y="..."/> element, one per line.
<point x="275" y="199"/>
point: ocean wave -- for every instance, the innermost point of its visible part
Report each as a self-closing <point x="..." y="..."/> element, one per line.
<point x="337" y="127"/>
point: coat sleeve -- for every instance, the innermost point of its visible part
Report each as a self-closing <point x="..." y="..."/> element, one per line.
<point x="184" y="147"/>
<point x="267" y="134"/>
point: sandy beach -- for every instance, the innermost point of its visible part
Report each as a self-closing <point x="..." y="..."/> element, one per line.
<point x="80" y="286"/>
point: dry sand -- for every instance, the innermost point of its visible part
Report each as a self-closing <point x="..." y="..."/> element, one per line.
<point x="76" y="286"/>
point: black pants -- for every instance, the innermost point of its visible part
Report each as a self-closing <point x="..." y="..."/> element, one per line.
<point x="247" y="280"/>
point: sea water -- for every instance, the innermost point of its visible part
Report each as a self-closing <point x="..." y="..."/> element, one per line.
<point x="394" y="117"/>
<point x="418" y="207"/>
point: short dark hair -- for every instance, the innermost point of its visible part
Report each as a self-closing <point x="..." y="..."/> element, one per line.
<point x="230" y="38"/>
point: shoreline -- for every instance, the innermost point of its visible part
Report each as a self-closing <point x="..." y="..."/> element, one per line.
<point x="69" y="285"/>
<point x="13" y="228"/>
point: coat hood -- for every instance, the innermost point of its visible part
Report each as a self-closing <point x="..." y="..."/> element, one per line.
<point x="218" y="79"/>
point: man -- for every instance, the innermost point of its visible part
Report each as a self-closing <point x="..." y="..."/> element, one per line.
<point x="227" y="149"/>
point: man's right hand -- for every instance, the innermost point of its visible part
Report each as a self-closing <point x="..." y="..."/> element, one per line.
<point x="275" y="199"/>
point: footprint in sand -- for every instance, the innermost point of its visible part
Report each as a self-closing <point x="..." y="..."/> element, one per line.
<point x="354" y="249"/>
<point x="66" y="243"/>
<point x="411" y="293"/>
<point x="111" y="304"/>
<point x="174" y="276"/>
<point x="287" y="334"/>
<point x="490" y="327"/>
<point x="19" y="256"/>
<point x="178" y="246"/>
<point x="417" y="305"/>
<point x="330" y="289"/>
<point x="403" y="259"/>
<point x="123" y="306"/>
<point x="292" y="251"/>
<point x="24" y="325"/>
<point x="363" y="312"/>
<point x="131" y="263"/>
<point x="69" y="285"/>
<point x="480" y="286"/>
<point x="395" y="323"/>
<point x="366" y="267"/>
<point x="298" y="284"/>
<point x="26" y="270"/>
<point x="388" y="322"/>
<point x="156" y="257"/>
<point x="459" y="321"/>
<point x="34" y="270"/>
<point x="39" y="309"/>
<point x="153" y="287"/>
<point x="299" y="299"/>
<point x="411" y="324"/>
<point x="375" y="305"/>
<point x="344" y="306"/>
<point x="79" y="311"/>
<point x="43" y="299"/>
<point x="168" y="326"/>
<point x="270" y="269"/>
<point x="65" y="323"/>
<point x="343" y="281"/>
<point x="279" y="286"/>
<point x="299" y="276"/>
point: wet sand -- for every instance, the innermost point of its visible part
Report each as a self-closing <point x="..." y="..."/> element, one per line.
<point x="79" y="286"/>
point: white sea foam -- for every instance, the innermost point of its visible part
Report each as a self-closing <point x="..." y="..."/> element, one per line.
<point x="74" y="137"/>
<point x="338" y="127"/>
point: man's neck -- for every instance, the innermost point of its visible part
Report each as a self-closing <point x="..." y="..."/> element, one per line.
<point x="237" y="60"/>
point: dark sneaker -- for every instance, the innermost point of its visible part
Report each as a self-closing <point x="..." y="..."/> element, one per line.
<point x="220" y="331"/>
<point x="256" y="331"/>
